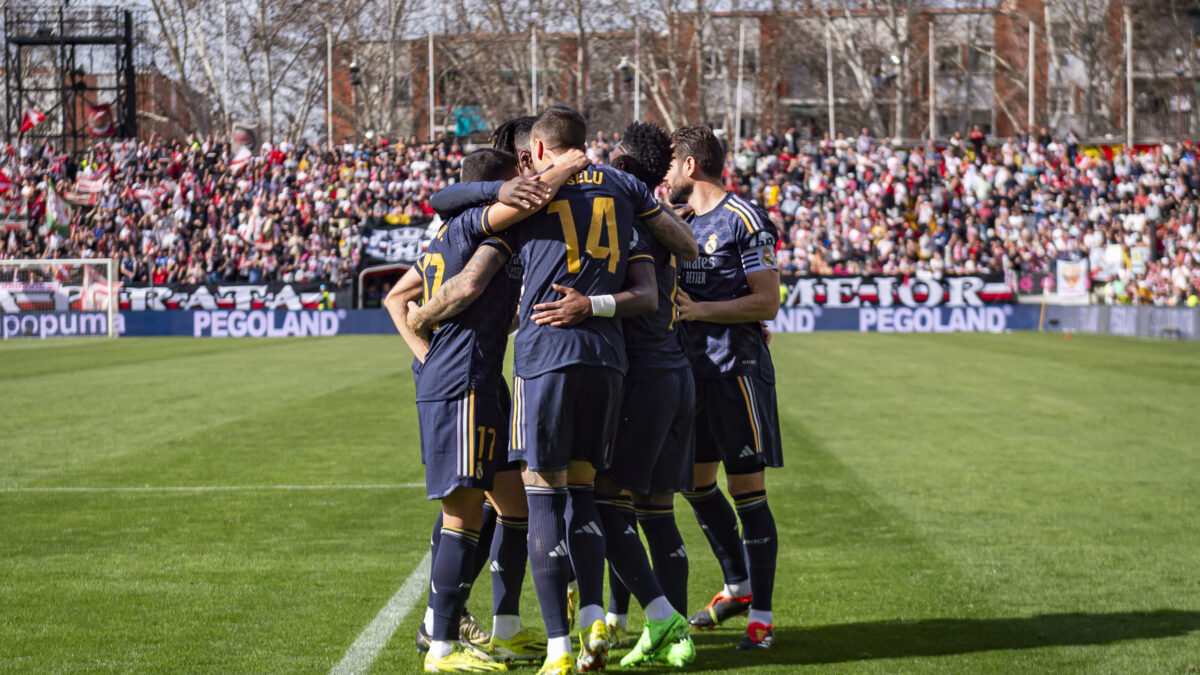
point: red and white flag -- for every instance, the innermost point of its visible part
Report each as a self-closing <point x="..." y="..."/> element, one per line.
<point x="96" y="291"/>
<point x="88" y="182"/>
<point x="100" y="121"/>
<point x="6" y="184"/>
<point x="240" y="160"/>
<point x="31" y="119"/>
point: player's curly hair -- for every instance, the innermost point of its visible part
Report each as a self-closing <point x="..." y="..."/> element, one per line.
<point x="650" y="147"/>
<point x="508" y="135"/>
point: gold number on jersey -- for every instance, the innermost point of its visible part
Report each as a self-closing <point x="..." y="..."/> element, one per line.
<point x="431" y="285"/>
<point x="604" y="221"/>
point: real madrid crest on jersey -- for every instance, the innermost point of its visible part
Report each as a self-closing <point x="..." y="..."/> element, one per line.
<point x="710" y="246"/>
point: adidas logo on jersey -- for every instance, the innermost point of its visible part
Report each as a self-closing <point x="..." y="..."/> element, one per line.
<point x="559" y="551"/>
<point x="747" y="451"/>
<point x="681" y="553"/>
<point x="629" y="530"/>
<point x="495" y="567"/>
<point x="590" y="528"/>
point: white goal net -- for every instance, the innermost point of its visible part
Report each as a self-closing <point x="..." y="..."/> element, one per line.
<point x="58" y="298"/>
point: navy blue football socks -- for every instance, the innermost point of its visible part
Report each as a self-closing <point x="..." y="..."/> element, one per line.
<point x="762" y="545"/>
<point x="487" y="529"/>
<point x="625" y="552"/>
<point x="667" y="552"/>
<point x="585" y="540"/>
<point x="509" y="551"/>
<point x="549" y="562"/>
<point x="720" y="525"/>
<point x="618" y="593"/>
<point x="450" y="580"/>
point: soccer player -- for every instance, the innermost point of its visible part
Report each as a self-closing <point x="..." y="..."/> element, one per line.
<point x="568" y="379"/>
<point x="462" y="402"/>
<point x="508" y="542"/>
<point x="652" y="454"/>
<point x="722" y="298"/>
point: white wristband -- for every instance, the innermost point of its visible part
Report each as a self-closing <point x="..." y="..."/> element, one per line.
<point x="603" y="305"/>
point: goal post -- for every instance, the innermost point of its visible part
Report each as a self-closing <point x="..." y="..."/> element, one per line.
<point x="48" y="298"/>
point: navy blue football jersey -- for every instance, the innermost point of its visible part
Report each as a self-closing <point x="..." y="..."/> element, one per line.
<point x="581" y="239"/>
<point x="465" y="351"/>
<point x="736" y="239"/>
<point x="651" y="340"/>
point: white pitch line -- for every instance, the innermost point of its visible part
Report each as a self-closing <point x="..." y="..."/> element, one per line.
<point x="376" y="635"/>
<point x="213" y="488"/>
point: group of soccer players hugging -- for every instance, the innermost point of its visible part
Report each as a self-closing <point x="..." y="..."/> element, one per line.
<point x="640" y="365"/>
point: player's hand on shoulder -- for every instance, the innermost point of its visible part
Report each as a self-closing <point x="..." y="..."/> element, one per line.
<point x="524" y="193"/>
<point x="568" y="310"/>
<point x="682" y="210"/>
<point x="574" y="159"/>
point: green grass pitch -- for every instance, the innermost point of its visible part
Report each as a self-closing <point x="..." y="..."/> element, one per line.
<point x="951" y="503"/>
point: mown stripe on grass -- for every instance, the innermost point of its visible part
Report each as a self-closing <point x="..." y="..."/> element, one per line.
<point x="229" y="397"/>
<point x="333" y="436"/>
<point x="103" y="355"/>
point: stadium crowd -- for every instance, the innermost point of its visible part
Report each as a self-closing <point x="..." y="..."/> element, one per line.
<point x="191" y="212"/>
<point x="187" y="212"/>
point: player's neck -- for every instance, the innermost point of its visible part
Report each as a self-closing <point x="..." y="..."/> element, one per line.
<point x="705" y="197"/>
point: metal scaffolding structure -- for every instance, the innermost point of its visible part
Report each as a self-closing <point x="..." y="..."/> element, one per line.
<point x="60" y="60"/>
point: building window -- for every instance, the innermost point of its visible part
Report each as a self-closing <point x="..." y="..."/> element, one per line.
<point x="979" y="58"/>
<point x="948" y="58"/>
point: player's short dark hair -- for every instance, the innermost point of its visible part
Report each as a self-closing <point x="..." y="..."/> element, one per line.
<point x="648" y="148"/>
<point x="486" y="164"/>
<point x="513" y="134"/>
<point x="561" y="127"/>
<point x="699" y="143"/>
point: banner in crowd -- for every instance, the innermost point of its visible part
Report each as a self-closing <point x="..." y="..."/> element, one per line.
<point x="59" y="297"/>
<point x="1035" y="283"/>
<point x="889" y="291"/>
<point x="389" y="244"/>
<point x="12" y="205"/>
<point x="1071" y="278"/>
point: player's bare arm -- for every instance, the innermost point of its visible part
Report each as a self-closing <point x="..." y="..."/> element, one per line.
<point x="458" y="292"/>
<point x="671" y="231"/>
<point x="501" y="216"/>
<point x="761" y="304"/>
<point x="639" y="297"/>
<point x="518" y="192"/>
<point x="407" y="290"/>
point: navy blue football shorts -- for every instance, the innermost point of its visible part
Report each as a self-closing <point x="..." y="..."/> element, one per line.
<point x="464" y="440"/>
<point x="737" y="423"/>
<point x="655" y="445"/>
<point x="565" y="415"/>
